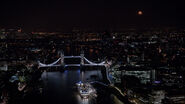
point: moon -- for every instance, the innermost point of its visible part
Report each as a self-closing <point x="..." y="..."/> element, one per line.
<point x="140" y="12"/>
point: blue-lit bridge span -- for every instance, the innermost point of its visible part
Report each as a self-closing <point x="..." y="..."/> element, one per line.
<point x="84" y="62"/>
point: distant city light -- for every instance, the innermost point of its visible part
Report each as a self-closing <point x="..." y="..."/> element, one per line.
<point x="157" y="82"/>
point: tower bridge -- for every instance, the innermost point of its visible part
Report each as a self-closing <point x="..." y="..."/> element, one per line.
<point x="83" y="62"/>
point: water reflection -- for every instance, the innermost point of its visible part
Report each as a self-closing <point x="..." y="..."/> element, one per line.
<point x="59" y="86"/>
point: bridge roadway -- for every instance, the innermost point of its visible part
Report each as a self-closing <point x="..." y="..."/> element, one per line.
<point x="71" y="65"/>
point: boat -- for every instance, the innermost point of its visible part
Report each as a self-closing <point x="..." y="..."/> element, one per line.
<point x="85" y="90"/>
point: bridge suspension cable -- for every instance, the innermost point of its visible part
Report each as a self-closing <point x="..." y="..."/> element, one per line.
<point x="92" y="63"/>
<point x="52" y="64"/>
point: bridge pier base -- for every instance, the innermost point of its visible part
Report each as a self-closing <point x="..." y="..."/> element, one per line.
<point x="62" y="58"/>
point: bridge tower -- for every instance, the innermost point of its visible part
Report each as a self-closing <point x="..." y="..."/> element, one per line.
<point x="62" y="58"/>
<point x="82" y="57"/>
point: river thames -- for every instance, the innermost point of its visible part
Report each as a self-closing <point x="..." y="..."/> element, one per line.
<point x="59" y="87"/>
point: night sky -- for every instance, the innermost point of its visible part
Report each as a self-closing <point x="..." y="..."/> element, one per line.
<point x="90" y="13"/>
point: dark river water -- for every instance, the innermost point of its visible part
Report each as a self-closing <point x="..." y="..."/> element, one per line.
<point x="59" y="87"/>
